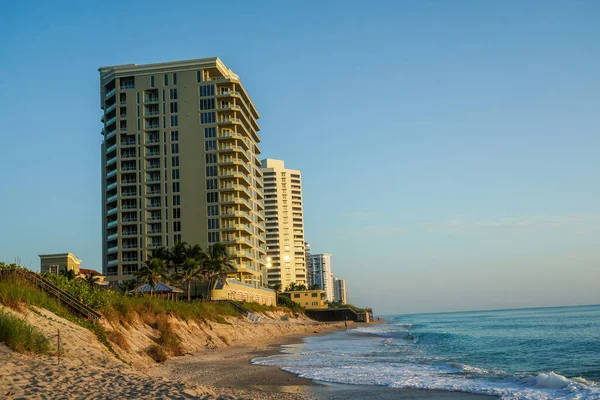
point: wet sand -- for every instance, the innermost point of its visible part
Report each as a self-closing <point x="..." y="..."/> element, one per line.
<point x="229" y="372"/>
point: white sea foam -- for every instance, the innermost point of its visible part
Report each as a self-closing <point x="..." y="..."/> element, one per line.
<point x="372" y="361"/>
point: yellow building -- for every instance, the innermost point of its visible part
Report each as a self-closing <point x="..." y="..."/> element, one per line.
<point x="180" y="162"/>
<point x="286" y="254"/>
<point x="232" y="289"/>
<point x="59" y="263"/>
<point x="310" y="299"/>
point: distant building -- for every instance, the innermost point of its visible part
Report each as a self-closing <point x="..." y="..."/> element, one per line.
<point x="63" y="262"/>
<point x="286" y="262"/>
<point x="310" y="299"/>
<point x="309" y="277"/>
<point x="59" y="263"/>
<point x="339" y="289"/>
<point x="320" y="267"/>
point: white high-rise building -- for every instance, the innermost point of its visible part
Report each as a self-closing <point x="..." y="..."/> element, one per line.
<point x="320" y="270"/>
<point x="339" y="290"/>
<point x="286" y="254"/>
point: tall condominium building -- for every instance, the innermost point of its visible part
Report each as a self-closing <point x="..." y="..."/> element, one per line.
<point x="179" y="163"/>
<point x="286" y="262"/>
<point x="320" y="266"/>
<point x="339" y="290"/>
<point x="309" y="277"/>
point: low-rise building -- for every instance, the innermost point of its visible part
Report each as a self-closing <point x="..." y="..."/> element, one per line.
<point x="310" y="299"/>
<point x="62" y="262"/>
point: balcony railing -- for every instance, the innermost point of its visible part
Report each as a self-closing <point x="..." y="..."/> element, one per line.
<point x="229" y="121"/>
<point x="150" y="113"/>
<point x="127" y="220"/>
<point x="113" y="236"/>
<point x="110" y="108"/>
<point x="154" y="192"/>
<point x="150" y="99"/>
<point x="111" y="211"/>
<point x="128" y="182"/>
<point x="113" y="249"/>
<point x="129" y="259"/>
<point x="154" y="205"/>
<point x="110" y="93"/>
<point x="129" y="194"/>
<point x="111" y="198"/>
<point x="111" y="148"/>
<point x="153" y="179"/>
<point x="111" y="173"/>
<point x="111" y="224"/>
<point x="111" y="186"/>
<point x="152" y="127"/>
<point x="112" y="262"/>
<point x="129" y="207"/>
<point x="110" y="121"/>
<point x="110" y="134"/>
<point x="129" y="169"/>
<point x="155" y="232"/>
<point x="130" y="233"/>
<point x="128" y="85"/>
<point x="130" y="246"/>
<point x="128" y="155"/>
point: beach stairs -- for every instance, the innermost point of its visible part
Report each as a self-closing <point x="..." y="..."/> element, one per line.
<point x="251" y="316"/>
<point x="63" y="297"/>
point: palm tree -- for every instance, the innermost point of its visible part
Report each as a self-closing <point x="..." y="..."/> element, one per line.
<point x="276" y="287"/>
<point x="152" y="272"/>
<point x="191" y="269"/>
<point x="216" y="262"/>
<point x="314" y="286"/>
<point x="177" y="255"/>
<point x="90" y="280"/>
<point x="69" y="273"/>
<point x="292" y="287"/>
<point x="128" y="285"/>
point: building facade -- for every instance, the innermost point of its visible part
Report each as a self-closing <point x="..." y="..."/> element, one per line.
<point x="180" y="163"/>
<point x="339" y="290"/>
<point x="59" y="263"/>
<point x="320" y="267"/>
<point x="309" y="299"/>
<point x="286" y="262"/>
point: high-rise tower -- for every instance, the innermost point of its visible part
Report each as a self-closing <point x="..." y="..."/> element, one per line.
<point x="179" y="163"/>
<point x="286" y="257"/>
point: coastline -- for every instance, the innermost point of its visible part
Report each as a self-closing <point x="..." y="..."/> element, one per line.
<point x="229" y="371"/>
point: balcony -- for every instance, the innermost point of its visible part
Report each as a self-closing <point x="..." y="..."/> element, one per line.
<point x="127" y="143"/>
<point x="128" y="182"/>
<point x="228" y="93"/>
<point x="151" y="113"/>
<point x="151" y="127"/>
<point x="112" y="223"/>
<point x="111" y="173"/>
<point x="111" y="121"/>
<point x="129" y="194"/>
<point x="127" y="85"/>
<point x="130" y="246"/>
<point x="129" y="220"/>
<point x="111" y="186"/>
<point x="110" y="134"/>
<point x="153" y="179"/>
<point x="151" y="99"/>
<point x="129" y="169"/>
<point x="155" y="232"/>
<point x="230" y="107"/>
<point x="128" y="155"/>
<point x="111" y="211"/>
<point x="129" y="233"/>
<point x="112" y="237"/>
<point x="153" y="205"/>
<point x="113" y="249"/>
<point x="228" y="121"/>
<point x="111" y="198"/>
<point x="111" y="148"/>
<point x="129" y="259"/>
<point x="153" y="193"/>
<point x="113" y="262"/>
<point x="129" y="207"/>
<point x="152" y="166"/>
<point x="110" y="93"/>
<point x="110" y="108"/>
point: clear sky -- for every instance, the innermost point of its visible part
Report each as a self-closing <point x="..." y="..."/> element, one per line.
<point x="450" y="150"/>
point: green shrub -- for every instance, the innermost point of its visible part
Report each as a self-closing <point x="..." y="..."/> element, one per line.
<point x="288" y="303"/>
<point x="222" y="320"/>
<point x="21" y="336"/>
<point x="157" y="353"/>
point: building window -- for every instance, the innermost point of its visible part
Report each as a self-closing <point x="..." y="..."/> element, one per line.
<point x="152" y="81"/>
<point x="175" y="174"/>
<point x="212" y="197"/>
<point x="207" y="118"/>
<point x="207" y="104"/>
<point x="174" y="136"/>
<point x="210" y="132"/>
<point x="210" y="145"/>
<point x="174" y="148"/>
<point x="166" y="80"/>
<point x="175" y="161"/>
<point x="173" y="94"/>
<point x="213" y="223"/>
<point x="174" y="120"/>
<point x="213" y="211"/>
<point x="314" y="295"/>
<point x="176" y="226"/>
<point x="296" y="295"/>
<point x="213" y="237"/>
<point x="211" y="170"/>
<point x="211" y="184"/>
<point x="177" y="238"/>
<point x="174" y="78"/>
<point x="175" y="187"/>
<point x="174" y="108"/>
<point x="211" y="158"/>
<point x="207" y="90"/>
<point x="198" y="76"/>
<point x="176" y="200"/>
<point x="176" y="213"/>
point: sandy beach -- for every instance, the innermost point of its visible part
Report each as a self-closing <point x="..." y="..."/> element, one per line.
<point x="87" y="370"/>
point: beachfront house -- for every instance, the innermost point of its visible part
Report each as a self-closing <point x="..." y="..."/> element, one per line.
<point x="309" y="299"/>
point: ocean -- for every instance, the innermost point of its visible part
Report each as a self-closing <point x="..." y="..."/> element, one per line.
<point x="542" y="353"/>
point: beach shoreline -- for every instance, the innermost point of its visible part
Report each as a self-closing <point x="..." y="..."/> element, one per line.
<point x="229" y="371"/>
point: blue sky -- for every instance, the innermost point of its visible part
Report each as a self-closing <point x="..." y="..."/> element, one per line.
<point x="449" y="149"/>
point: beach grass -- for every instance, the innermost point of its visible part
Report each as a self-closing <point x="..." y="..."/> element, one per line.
<point x="21" y="336"/>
